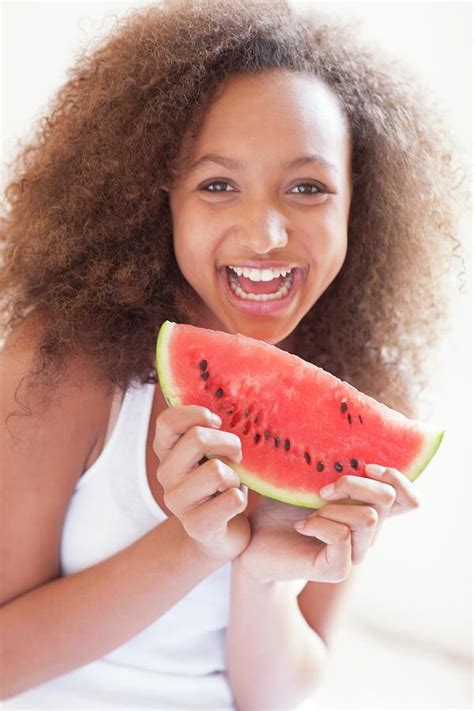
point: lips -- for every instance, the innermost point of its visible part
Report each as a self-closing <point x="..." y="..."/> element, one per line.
<point x="262" y="308"/>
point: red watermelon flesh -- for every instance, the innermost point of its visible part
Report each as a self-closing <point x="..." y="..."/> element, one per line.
<point x="300" y="426"/>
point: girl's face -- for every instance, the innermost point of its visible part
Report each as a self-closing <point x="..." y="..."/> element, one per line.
<point x="268" y="184"/>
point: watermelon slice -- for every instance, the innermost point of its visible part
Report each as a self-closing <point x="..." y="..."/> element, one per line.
<point x="300" y="427"/>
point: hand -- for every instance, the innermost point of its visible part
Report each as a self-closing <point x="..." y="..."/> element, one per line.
<point x="206" y="497"/>
<point x="334" y="537"/>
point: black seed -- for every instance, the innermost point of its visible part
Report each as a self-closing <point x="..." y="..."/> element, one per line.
<point x="246" y="413"/>
<point x="277" y="441"/>
<point x="307" y="457"/>
<point x="203" y="364"/>
<point x="360" y="420"/>
<point x="354" y="463"/>
<point x="338" y="467"/>
<point x="204" y="376"/>
<point x="256" y="438"/>
<point x="256" y="420"/>
<point x="320" y="466"/>
<point x="287" y="444"/>
<point x="343" y="406"/>
<point x="266" y="434"/>
<point x="219" y="392"/>
<point x="349" y="417"/>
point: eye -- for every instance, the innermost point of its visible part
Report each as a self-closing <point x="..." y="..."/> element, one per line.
<point x="317" y="189"/>
<point x="218" y="186"/>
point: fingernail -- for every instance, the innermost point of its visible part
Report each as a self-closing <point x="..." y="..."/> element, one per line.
<point x="299" y="525"/>
<point x="374" y="469"/>
<point x="217" y="420"/>
<point x="327" y="490"/>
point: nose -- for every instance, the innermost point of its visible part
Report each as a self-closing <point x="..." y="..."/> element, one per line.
<point x="262" y="229"/>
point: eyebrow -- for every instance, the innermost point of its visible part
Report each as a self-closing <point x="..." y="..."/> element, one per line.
<point x="233" y="164"/>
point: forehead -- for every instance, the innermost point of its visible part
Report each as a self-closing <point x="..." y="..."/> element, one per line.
<point x="274" y="110"/>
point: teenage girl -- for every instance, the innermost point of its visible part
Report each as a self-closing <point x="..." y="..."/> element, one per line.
<point x="198" y="140"/>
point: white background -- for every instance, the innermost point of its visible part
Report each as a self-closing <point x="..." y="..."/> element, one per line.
<point x="404" y="640"/>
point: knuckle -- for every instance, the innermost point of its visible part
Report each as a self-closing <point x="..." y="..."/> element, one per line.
<point x="415" y="501"/>
<point x="160" y="473"/>
<point x="371" y="516"/>
<point x="344" y="534"/>
<point x="168" y="498"/>
<point x="218" y="470"/>
<point x="236" y="496"/>
<point x="199" y="435"/>
<point x="390" y="496"/>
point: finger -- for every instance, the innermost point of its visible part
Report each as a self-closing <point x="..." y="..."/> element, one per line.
<point x="210" y="518"/>
<point x="361" y="520"/>
<point x="193" y="445"/>
<point x="407" y="497"/>
<point x="172" y="423"/>
<point x="332" y="563"/>
<point x="378" y="494"/>
<point x="200" y="485"/>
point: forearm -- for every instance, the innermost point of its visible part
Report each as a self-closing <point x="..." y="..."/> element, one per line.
<point x="274" y="658"/>
<point x="74" y="620"/>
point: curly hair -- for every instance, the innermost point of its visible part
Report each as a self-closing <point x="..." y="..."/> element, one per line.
<point x="88" y="242"/>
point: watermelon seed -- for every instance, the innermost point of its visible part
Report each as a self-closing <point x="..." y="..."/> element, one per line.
<point x="277" y="441"/>
<point x="338" y="467"/>
<point x="266" y="434"/>
<point x="203" y="364"/>
<point x="320" y="466"/>
<point x="204" y="376"/>
<point x="343" y="406"/>
<point x="360" y="420"/>
<point x="307" y="457"/>
<point x="354" y="463"/>
<point x="287" y="444"/>
<point x="236" y="418"/>
<point x="219" y="392"/>
<point x="349" y="417"/>
<point x="256" y="438"/>
<point x="256" y="420"/>
<point x="246" y="413"/>
<point x="230" y="412"/>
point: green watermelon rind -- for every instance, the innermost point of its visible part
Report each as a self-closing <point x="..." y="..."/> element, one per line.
<point x="251" y="479"/>
<point x="163" y="366"/>
<point x="434" y="438"/>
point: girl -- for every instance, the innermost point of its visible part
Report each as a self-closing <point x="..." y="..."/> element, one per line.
<point x="201" y="139"/>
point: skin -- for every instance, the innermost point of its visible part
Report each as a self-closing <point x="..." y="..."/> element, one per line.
<point x="256" y="213"/>
<point x="259" y="215"/>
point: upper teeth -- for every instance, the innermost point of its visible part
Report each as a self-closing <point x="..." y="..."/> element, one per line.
<point x="260" y="274"/>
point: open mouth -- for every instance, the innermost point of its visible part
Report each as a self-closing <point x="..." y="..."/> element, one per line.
<point x="249" y="290"/>
<point x="261" y="297"/>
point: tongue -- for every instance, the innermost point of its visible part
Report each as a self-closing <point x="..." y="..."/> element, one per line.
<point x="259" y="287"/>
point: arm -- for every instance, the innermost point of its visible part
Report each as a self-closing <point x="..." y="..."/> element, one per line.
<point x="274" y="658"/>
<point x="50" y="625"/>
<point x="71" y="621"/>
<point x="321" y="605"/>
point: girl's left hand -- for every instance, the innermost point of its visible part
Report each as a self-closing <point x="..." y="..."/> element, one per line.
<point x="334" y="537"/>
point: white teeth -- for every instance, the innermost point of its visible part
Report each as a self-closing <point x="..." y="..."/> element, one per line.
<point x="260" y="274"/>
<point x="279" y="294"/>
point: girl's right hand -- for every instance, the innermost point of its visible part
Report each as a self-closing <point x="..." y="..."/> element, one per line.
<point x="205" y="497"/>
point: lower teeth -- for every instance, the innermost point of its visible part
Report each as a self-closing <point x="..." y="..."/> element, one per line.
<point x="279" y="294"/>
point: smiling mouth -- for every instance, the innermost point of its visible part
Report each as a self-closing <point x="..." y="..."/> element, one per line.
<point x="246" y="289"/>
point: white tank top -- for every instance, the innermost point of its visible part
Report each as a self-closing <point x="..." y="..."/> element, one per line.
<point x="178" y="661"/>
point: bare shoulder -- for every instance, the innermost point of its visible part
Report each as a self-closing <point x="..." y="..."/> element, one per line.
<point x="46" y="434"/>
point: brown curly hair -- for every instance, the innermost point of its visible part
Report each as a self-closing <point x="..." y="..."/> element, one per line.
<point x="87" y="240"/>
